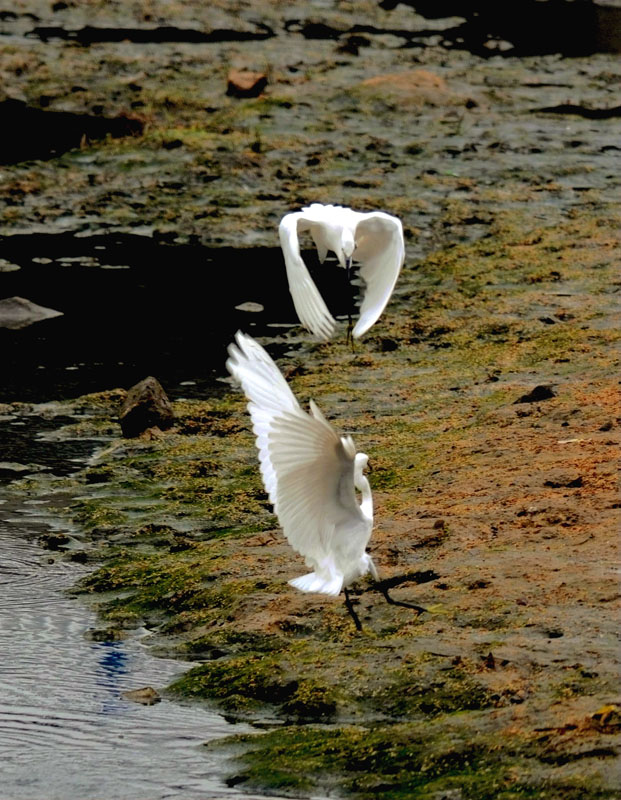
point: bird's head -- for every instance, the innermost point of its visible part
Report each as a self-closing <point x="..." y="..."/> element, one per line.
<point x="362" y="462"/>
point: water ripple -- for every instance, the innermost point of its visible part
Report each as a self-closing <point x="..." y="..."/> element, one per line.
<point x="65" y="730"/>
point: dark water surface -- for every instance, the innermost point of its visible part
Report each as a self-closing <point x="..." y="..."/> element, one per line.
<point x="136" y="305"/>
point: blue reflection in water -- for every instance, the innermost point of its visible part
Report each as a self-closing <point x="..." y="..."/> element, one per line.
<point x="113" y="666"/>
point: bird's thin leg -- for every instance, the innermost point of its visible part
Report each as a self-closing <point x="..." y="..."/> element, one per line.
<point x="350" y="608"/>
<point x="381" y="587"/>
<point x="350" y="338"/>
<point x="350" y="324"/>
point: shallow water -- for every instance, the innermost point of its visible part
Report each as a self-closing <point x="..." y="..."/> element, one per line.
<point x="65" y="731"/>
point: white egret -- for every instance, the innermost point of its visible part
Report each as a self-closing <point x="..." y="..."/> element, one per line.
<point x="310" y="474"/>
<point x="374" y="240"/>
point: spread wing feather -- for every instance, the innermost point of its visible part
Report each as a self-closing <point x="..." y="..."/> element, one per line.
<point x="268" y="395"/>
<point x="380" y="250"/>
<point x="311" y="468"/>
<point x="307" y="471"/>
<point x="309" y="304"/>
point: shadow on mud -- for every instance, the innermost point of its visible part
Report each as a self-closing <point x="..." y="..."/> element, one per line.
<point x="33" y="133"/>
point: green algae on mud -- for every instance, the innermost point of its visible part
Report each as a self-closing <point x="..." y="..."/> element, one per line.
<point x="425" y="760"/>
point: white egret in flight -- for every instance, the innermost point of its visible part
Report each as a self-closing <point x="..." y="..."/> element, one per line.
<point x="310" y="474"/>
<point x="374" y="240"/>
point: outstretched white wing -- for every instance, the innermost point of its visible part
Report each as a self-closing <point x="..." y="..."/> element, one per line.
<point x="380" y="250"/>
<point x="309" y="304"/>
<point x="268" y="394"/>
<point x="315" y="483"/>
<point x="307" y="468"/>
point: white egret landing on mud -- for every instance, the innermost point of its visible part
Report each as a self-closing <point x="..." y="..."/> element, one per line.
<point x="374" y="240"/>
<point x="311" y="475"/>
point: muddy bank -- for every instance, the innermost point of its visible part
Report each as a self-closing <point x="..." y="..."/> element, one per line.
<point x="355" y="117"/>
<point x="496" y="510"/>
<point x="486" y="396"/>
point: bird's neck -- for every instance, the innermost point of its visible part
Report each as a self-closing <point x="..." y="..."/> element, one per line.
<point x="366" y="505"/>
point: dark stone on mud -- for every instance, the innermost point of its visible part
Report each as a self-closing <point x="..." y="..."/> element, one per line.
<point x="387" y="345"/>
<point x="98" y="475"/>
<point x="538" y="394"/>
<point x="235" y="780"/>
<point x="243" y="83"/>
<point x="17" y="312"/>
<point x="607" y="426"/>
<point x="353" y="44"/>
<point x="564" y="481"/>
<point x="54" y="541"/>
<point x="481" y="583"/>
<point x="489" y="662"/>
<point x="146" y="406"/>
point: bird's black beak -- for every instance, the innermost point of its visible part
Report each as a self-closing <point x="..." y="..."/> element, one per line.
<point x="369" y="466"/>
<point x="348" y="265"/>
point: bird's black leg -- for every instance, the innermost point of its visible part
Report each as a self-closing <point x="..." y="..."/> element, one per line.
<point x="350" y="608"/>
<point x="381" y="587"/>
<point x="350" y="324"/>
<point x="350" y="338"/>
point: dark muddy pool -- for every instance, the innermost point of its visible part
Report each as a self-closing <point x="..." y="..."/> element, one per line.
<point x="136" y="305"/>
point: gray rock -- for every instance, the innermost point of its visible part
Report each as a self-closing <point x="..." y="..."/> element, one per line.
<point x="251" y="307"/>
<point x="13" y="468"/>
<point x="17" y="312"/>
<point x="146" y="696"/>
<point x="146" y="406"/>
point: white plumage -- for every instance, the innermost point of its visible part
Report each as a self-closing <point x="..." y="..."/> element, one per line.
<point x="374" y="240"/>
<point x="310" y="474"/>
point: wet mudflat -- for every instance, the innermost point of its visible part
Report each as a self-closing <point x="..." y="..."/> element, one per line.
<point x="487" y="396"/>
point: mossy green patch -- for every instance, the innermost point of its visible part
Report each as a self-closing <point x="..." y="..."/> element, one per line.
<point x="238" y="682"/>
<point x="401" y="761"/>
<point x="414" y="692"/>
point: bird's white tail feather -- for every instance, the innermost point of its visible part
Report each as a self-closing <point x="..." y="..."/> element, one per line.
<point x="312" y="582"/>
